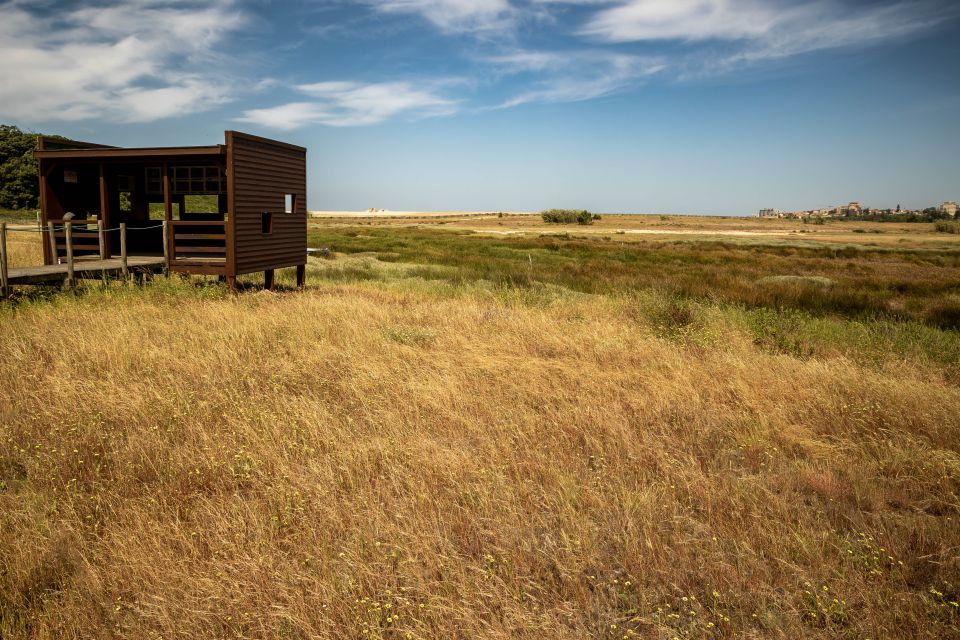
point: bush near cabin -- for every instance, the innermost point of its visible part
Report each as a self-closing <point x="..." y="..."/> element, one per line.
<point x="569" y="216"/>
<point x="19" y="184"/>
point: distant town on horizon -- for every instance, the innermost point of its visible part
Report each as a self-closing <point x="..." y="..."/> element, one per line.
<point x="855" y="210"/>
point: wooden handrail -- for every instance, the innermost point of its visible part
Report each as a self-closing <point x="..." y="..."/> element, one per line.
<point x="184" y="235"/>
<point x="197" y="223"/>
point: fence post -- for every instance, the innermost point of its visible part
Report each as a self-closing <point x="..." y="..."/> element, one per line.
<point x="4" y="285"/>
<point x="100" y="240"/>
<point x="54" y="257"/>
<point x="68" y="232"/>
<point x="166" y="250"/>
<point x="103" y="249"/>
<point x="123" y="249"/>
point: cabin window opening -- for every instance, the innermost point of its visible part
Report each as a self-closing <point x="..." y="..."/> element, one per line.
<point x="126" y="201"/>
<point x="201" y="203"/>
<point x="154" y="180"/>
<point x="197" y="180"/>
<point x="157" y="211"/>
<point x="289" y="203"/>
<point x="266" y="222"/>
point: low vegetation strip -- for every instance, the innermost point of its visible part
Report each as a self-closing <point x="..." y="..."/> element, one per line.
<point x="419" y="448"/>
<point x="867" y="283"/>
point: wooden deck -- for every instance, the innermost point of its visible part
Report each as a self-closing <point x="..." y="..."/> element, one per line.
<point x="83" y="269"/>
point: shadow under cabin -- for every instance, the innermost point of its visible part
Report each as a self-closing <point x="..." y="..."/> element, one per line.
<point x="225" y="210"/>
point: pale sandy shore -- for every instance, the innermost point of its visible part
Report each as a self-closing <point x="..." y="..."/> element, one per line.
<point x="651" y="232"/>
<point x="414" y="214"/>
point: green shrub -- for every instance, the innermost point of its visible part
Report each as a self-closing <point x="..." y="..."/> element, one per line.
<point x="946" y="226"/>
<point x="568" y="216"/>
<point x="944" y="314"/>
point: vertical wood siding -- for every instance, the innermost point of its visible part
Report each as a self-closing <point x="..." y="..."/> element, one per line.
<point x="263" y="172"/>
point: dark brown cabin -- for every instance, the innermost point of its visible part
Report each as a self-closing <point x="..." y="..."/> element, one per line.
<point x="230" y="209"/>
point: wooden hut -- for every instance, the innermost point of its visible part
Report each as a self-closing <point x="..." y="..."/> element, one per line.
<point x="228" y="209"/>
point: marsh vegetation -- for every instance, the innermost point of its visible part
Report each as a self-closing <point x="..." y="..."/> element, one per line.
<point x="457" y="434"/>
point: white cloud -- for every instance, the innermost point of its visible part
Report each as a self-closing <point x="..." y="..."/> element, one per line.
<point x="683" y="19"/>
<point x="345" y="104"/>
<point x="454" y="16"/>
<point x="134" y="61"/>
<point x="763" y="28"/>
<point x="573" y="76"/>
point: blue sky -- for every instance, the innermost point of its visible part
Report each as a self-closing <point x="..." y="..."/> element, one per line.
<point x="692" y="106"/>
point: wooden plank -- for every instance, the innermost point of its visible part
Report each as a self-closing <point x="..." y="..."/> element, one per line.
<point x="100" y="237"/>
<point x="196" y="223"/>
<point x="54" y="255"/>
<point x="167" y="214"/>
<point x="114" y="153"/>
<point x="124" y="270"/>
<point x="80" y="234"/>
<point x="201" y="236"/>
<point x="181" y="250"/>
<point x="71" y="281"/>
<point x="79" y="247"/>
<point x="49" y="252"/>
<point x="84" y="270"/>
<point x="166" y="245"/>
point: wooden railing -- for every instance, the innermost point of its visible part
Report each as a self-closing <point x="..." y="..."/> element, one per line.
<point x="72" y="237"/>
<point x="69" y="243"/>
<point x="193" y="241"/>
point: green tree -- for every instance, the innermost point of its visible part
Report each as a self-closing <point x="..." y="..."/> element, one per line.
<point x="19" y="184"/>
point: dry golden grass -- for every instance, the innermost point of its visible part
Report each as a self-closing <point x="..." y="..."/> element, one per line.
<point x="23" y="246"/>
<point x="405" y="460"/>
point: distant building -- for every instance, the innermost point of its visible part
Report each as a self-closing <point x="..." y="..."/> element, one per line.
<point x="949" y="208"/>
<point x="770" y="213"/>
<point x="852" y="209"/>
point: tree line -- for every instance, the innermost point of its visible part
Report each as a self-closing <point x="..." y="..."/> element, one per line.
<point x="19" y="181"/>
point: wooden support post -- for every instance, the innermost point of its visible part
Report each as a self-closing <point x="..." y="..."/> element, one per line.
<point x="268" y="279"/>
<point x="166" y="249"/>
<point x="54" y="256"/>
<point x="123" y="250"/>
<point x="4" y="285"/>
<point x="301" y="275"/>
<point x="68" y="233"/>
<point x="103" y="245"/>
<point x="232" y="284"/>
<point x="103" y="249"/>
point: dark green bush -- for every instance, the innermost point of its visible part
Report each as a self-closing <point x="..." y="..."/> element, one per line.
<point x="945" y="226"/>
<point x="568" y="216"/>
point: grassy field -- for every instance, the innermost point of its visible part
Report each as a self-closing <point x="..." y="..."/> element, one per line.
<point x="460" y="433"/>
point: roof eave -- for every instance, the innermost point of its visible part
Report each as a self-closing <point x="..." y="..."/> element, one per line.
<point x="108" y="153"/>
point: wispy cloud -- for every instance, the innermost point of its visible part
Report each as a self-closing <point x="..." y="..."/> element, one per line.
<point x="454" y="16"/>
<point x="132" y="61"/>
<point x="763" y="29"/>
<point x="572" y="76"/>
<point x="344" y="104"/>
